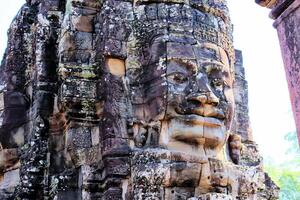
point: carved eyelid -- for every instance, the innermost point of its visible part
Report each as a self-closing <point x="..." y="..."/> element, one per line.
<point x="177" y="73"/>
<point x="223" y="81"/>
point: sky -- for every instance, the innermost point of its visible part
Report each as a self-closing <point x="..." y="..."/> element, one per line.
<point x="270" y="108"/>
<point x="269" y="104"/>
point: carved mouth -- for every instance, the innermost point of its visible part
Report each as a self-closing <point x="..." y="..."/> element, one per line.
<point x="211" y="112"/>
<point x="200" y="120"/>
<point x="202" y="115"/>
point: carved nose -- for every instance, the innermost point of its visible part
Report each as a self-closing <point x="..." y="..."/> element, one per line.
<point x="202" y="91"/>
<point x="212" y="98"/>
<point x="205" y="98"/>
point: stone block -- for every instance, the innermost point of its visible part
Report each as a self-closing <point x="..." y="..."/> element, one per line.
<point x="213" y="196"/>
<point x="1" y="101"/>
<point x="57" y="124"/>
<point x="79" y="137"/>
<point x="50" y="5"/>
<point x="57" y="142"/>
<point x="117" y="166"/>
<point x="77" y="71"/>
<point x="10" y="181"/>
<point x="162" y="11"/>
<point x="184" y="174"/>
<point x="11" y="137"/>
<point x="15" y="100"/>
<point x="180" y="51"/>
<point x="75" y="40"/>
<point x="151" y="11"/>
<point x="115" y="66"/>
<point x="174" y="12"/>
<point x="205" y="52"/>
<point x="8" y="158"/>
<point x="83" y="23"/>
<point x="44" y="102"/>
<point x="72" y="57"/>
<point x="83" y="40"/>
<point x="115" y="146"/>
<point x="83" y="89"/>
<point x="119" y="31"/>
<point x="115" y="48"/>
<point x="178" y="193"/>
<point x="67" y="42"/>
<point x="250" y="155"/>
<point x="58" y="162"/>
<point x="70" y="194"/>
<point x="87" y="156"/>
<point x="95" y="136"/>
<point x="113" y="193"/>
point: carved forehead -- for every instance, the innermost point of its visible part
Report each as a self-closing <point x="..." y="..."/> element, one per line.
<point x="182" y="48"/>
<point x="209" y="52"/>
<point x="187" y="53"/>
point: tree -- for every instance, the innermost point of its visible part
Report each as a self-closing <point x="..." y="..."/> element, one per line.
<point x="287" y="174"/>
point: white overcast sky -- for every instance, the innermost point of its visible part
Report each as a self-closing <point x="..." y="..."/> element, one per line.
<point x="254" y="34"/>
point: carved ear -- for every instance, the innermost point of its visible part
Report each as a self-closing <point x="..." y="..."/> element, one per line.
<point x="140" y="136"/>
<point x="235" y="146"/>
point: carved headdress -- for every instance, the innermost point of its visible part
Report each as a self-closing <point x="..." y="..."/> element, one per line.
<point x="204" y="20"/>
<point x="215" y="25"/>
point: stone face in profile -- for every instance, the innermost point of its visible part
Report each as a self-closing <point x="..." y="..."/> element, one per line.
<point x="125" y="100"/>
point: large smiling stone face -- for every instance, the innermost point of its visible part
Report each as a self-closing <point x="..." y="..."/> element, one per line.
<point x="182" y="83"/>
<point x="199" y="98"/>
<point x="200" y="85"/>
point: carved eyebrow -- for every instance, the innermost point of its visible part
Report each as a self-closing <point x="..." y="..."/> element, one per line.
<point x="189" y="64"/>
<point x="210" y="66"/>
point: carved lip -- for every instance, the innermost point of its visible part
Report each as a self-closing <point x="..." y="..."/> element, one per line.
<point x="200" y="120"/>
<point x="205" y="116"/>
<point x="210" y="113"/>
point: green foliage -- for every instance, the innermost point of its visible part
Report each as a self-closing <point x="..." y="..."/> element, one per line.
<point x="290" y="185"/>
<point x="287" y="174"/>
<point x="288" y="180"/>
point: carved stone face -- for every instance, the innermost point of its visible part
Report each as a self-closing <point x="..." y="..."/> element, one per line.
<point x="188" y="90"/>
<point x="200" y="85"/>
<point x="199" y="97"/>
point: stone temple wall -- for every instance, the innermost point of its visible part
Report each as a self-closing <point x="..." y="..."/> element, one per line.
<point x="241" y="124"/>
<point x="126" y="100"/>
